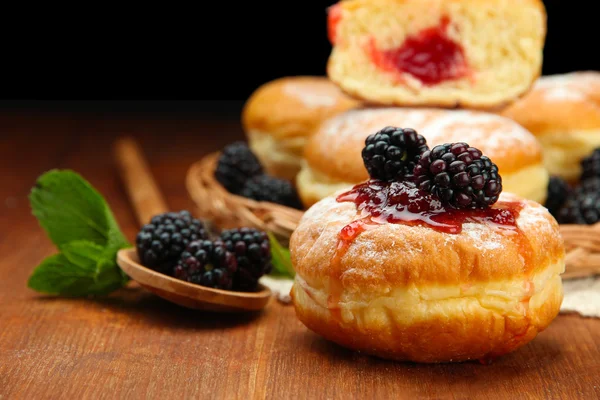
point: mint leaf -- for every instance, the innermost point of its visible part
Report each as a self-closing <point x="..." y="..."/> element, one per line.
<point x="280" y="257"/>
<point x="69" y="208"/>
<point x="82" y="253"/>
<point x="57" y="274"/>
<point x="102" y="260"/>
<point x="81" y="224"/>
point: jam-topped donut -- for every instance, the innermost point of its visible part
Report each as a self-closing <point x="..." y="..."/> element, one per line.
<point x="427" y="267"/>
<point x="281" y="114"/>
<point x="332" y="156"/>
<point x="478" y="54"/>
<point x="563" y="112"/>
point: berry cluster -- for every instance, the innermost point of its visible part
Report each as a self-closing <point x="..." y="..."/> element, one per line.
<point x="456" y="173"/>
<point x="160" y="242"/>
<point x="241" y="173"/>
<point x="207" y="263"/>
<point x="253" y="254"/>
<point x="459" y="175"/>
<point x="180" y="246"/>
<point x="580" y="203"/>
<point x="392" y="153"/>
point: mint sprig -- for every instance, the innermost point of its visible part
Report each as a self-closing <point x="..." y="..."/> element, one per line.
<point x="81" y="224"/>
<point x="280" y="257"/>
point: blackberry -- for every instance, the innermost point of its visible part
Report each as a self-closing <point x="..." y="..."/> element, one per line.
<point x="581" y="208"/>
<point x="236" y="164"/>
<point x="558" y="191"/>
<point x="253" y="253"/>
<point x="459" y="175"/>
<point x="590" y="165"/>
<point x="392" y="153"/>
<point x="272" y="189"/>
<point x="207" y="263"/>
<point x="591" y="184"/>
<point x="160" y="242"/>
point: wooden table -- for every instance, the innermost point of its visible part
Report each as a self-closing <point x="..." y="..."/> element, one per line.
<point x="134" y="345"/>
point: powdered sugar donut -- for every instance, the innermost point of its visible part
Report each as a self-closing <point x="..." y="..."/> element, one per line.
<point x="563" y="112"/>
<point x="332" y="156"/>
<point x="466" y="288"/>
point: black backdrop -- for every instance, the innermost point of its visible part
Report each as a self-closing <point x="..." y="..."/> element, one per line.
<point x="213" y="50"/>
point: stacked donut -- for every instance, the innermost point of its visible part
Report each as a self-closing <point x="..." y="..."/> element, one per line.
<point x="426" y="161"/>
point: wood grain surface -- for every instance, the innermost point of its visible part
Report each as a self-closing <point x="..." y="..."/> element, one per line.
<point x="134" y="345"/>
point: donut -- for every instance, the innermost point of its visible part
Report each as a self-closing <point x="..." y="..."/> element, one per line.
<point x="446" y="53"/>
<point x="470" y="285"/>
<point x="279" y="116"/>
<point x="332" y="155"/>
<point x="563" y="112"/>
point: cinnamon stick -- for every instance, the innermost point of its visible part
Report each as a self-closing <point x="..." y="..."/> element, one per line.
<point x="142" y="189"/>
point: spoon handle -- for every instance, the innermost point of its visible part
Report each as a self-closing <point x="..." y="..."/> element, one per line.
<point x="142" y="189"/>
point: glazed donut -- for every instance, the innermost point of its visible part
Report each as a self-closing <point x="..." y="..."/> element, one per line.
<point x="563" y="112"/>
<point x="448" y="53"/>
<point x="409" y="291"/>
<point x="279" y="116"/>
<point x="332" y="156"/>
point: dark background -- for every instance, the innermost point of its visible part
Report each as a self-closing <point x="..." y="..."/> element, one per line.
<point x="208" y="56"/>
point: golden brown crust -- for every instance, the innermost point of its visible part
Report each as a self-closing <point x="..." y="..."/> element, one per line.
<point x="414" y="293"/>
<point x="335" y="148"/>
<point x="293" y="106"/>
<point x="470" y="333"/>
<point x="393" y="255"/>
<point x="562" y="103"/>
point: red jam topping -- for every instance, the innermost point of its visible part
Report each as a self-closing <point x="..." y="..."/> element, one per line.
<point x="346" y="237"/>
<point x="431" y="56"/>
<point x="334" y="15"/>
<point x="401" y="202"/>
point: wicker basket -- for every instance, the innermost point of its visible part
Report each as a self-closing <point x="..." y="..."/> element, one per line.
<point x="226" y="210"/>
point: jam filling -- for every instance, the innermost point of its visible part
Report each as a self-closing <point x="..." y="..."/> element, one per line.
<point x="402" y="202"/>
<point x="431" y="56"/>
<point x="334" y="16"/>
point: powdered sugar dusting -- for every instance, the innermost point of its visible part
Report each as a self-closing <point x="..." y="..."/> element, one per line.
<point x="482" y="237"/>
<point x="562" y="93"/>
<point x="313" y="95"/>
<point x="573" y="86"/>
<point x="493" y="134"/>
<point x="327" y="209"/>
<point x="386" y="254"/>
<point x="534" y="217"/>
<point x="354" y="125"/>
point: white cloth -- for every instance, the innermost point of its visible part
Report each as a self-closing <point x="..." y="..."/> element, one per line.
<point x="582" y="296"/>
<point x="279" y="286"/>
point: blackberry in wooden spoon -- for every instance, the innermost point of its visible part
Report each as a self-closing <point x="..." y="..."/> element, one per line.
<point x="160" y="242"/>
<point x="253" y="254"/>
<point x="207" y="263"/>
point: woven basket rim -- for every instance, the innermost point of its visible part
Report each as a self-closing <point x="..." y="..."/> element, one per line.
<point x="210" y="161"/>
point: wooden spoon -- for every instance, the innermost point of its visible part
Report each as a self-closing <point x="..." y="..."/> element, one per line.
<point x="147" y="202"/>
